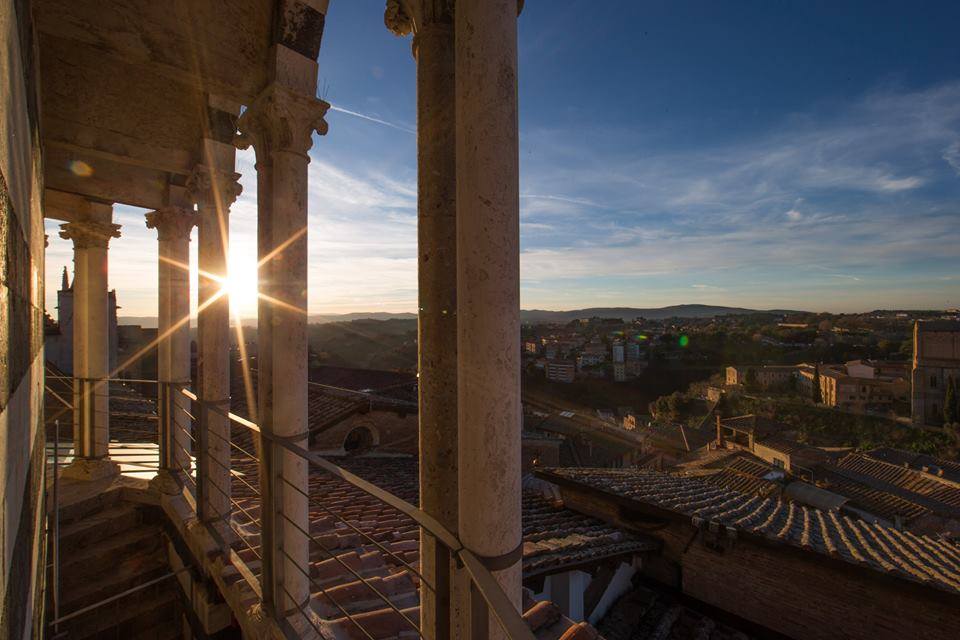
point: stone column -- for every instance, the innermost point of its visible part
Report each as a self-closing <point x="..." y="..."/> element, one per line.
<point x="279" y="125"/>
<point x="214" y="191"/>
<point x="173" y="225"/>
<point x="488" y="293"/>
<point x="91" y="348"/>
<point x="431" y="22"/>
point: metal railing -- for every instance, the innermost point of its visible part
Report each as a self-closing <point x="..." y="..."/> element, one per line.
<point x="69" y="402"/>
<point x="250" y="542"/>
<point x="487" y="595"/>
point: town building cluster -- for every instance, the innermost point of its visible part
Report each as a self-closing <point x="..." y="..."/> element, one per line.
<point x="928" y="383"/>
<point x="593" y="348"/>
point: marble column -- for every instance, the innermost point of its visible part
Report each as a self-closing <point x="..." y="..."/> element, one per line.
<point x="488" y="293"/>
<point x="173" y="225"/>
<point x="431" y="23"/>
<point x="214" y="191"/>
<point x="280" y="126"/>
<point x="91" y="348"/>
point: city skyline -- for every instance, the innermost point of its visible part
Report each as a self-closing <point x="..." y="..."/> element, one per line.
<point x="754" y="158"/>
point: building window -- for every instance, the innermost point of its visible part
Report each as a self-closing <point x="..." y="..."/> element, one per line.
<point x="933" y="382"/>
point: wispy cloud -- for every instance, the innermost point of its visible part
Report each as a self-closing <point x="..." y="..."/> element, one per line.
<point x="952" y="155"/>
<point x="863" y="187"/>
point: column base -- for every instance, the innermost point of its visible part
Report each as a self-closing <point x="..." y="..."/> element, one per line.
<point x="90" y="469"/>
<point x="165" y="482"/>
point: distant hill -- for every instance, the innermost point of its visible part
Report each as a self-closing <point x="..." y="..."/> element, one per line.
<point x="531" y="315"/>
<point x="628" y="313"/>
<point x="147" y="322"/>
<point x="150" y="322"/>
<point x="321" y="318"/>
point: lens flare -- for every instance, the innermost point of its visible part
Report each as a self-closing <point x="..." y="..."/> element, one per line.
<point x="80" y="169"/>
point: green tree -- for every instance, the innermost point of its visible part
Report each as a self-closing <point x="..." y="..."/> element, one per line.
<point x="750" y="380"/>
<point x="817" y="395"/>
<point x="951" y="404"/>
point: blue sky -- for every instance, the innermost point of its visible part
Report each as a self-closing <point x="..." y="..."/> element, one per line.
<point x="763" y="154"/>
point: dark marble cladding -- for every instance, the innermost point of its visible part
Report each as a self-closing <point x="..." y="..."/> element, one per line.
<point x="21" y="327"/>
<point x="16" y="615"/>
<point x="299" y="27"/>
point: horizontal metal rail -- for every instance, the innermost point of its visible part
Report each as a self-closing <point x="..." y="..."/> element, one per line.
<point x="485" y="586"/>
<point x="114" y="598"/>
<point x="485" y="583"/>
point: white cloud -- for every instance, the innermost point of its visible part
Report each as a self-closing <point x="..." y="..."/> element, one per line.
<point x="952" y="155"/>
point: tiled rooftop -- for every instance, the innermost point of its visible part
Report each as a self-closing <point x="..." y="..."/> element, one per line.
<point x="884" y="549"/>
<point x="925" y="489"/>
<point x="324" y="408"/>
<point x="738" y="470"/>
<point x="745" y="482"/>
<point x="947" y="469"/>
<point x="872" y="500"/>
<point x="554" y="538"/>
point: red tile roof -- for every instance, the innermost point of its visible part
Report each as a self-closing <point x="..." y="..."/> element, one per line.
<point x="936" y="494"/>
<point x="344" y="519"/>
<point x="880" y="548"/>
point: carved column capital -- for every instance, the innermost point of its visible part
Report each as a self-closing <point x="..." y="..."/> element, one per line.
<point x="281" y="120"/>
<point x="207" y="187"/>
<point x="172" y="223"/>
<point x="89" y="234"/>
<point x="403" y="17"/>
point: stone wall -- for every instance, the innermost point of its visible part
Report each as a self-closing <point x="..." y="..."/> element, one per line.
<point x="21" y="329"/>
<point x="391" y="432"/>
<point x="787" y="590"/>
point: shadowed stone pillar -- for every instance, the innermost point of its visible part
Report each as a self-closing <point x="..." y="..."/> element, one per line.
<point x="91" y="346"/>
<point x="173" y="225"/>
<point x="280" y="125"/>
<point x="431" y="22"/>
<point x="214" y="191"/>
<point x="488" y="294"/>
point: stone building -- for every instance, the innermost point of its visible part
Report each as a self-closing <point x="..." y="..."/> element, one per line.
<point x="936" y="359"/>
<point x="857" y="385"/>
<point x="764" y="376"/>
<point x="58" y="348"/>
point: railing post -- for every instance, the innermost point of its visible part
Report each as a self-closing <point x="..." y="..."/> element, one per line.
<point x="163" y="426"/>
<point x="269" y="535"/>
<point x="81" y="417"/>
<point x="441" y="590"/>
<point x="167" y="480"/>
<point x="204" y="511"/>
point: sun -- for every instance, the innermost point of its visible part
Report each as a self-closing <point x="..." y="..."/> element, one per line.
<point x="241" y="284"/>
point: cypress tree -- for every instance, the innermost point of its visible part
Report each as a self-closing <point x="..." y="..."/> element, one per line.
<point x="817" y="396"/>
<point x="950" y="403"/>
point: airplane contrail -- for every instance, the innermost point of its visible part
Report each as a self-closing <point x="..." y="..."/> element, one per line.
<point x="364" y="116"/>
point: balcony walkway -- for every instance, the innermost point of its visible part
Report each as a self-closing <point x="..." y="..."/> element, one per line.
<point x="364" y="554"/>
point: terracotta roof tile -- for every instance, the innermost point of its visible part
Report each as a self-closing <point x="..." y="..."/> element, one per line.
<point x="918" y="558"/>
<point x="938" y="495"/>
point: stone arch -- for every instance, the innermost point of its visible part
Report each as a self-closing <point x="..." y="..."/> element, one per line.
<point x="360" y="438"/>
